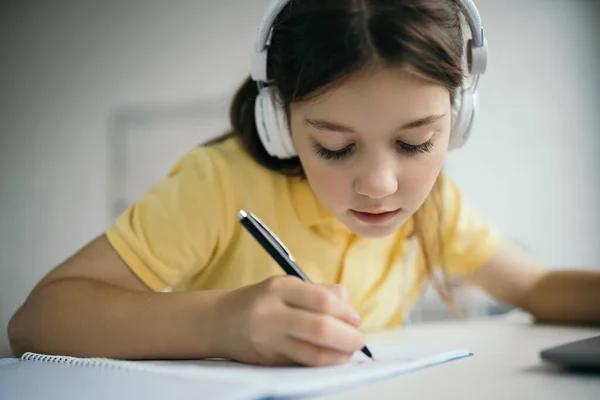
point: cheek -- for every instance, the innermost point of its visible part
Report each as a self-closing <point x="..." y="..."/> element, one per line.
<point x="329" y="184"/>
<point x="421" y="176"/>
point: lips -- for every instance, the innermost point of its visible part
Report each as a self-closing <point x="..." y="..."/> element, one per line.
<point x="373" y="211"/>
<point x="375" y="216"/>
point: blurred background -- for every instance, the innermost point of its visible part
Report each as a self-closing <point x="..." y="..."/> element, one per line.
<point x="99" y="98"/>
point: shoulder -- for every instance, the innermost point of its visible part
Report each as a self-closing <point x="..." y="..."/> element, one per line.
<point x="469" y="238"/>
<point x="227" y="167"/>
<point x="225" y="159"/>
<point x="447" y="209"/>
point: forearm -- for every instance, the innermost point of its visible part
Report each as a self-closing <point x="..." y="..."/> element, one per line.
<point x="86" y="318"/>
<point x="567" y="296"/>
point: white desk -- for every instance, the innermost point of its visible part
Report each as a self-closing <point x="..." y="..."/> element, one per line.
<point x="505" y="365"/>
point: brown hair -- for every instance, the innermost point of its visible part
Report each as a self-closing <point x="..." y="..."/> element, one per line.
<point x="316" y="44"/>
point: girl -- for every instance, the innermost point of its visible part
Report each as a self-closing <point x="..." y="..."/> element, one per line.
<point x="337" y="144"/>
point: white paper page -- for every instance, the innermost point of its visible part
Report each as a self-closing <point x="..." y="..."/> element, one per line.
<point x="302" y="381"/>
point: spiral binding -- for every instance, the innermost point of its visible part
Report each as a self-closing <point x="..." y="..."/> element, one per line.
<point x="80" y="362"/>
<point x="106" y="364"/>
<point x="130" y="367"/>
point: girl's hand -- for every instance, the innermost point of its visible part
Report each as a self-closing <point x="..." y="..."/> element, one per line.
<point x="284" y="320"/>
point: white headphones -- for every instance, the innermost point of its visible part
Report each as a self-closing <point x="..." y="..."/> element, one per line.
<point x="271" y="120"/>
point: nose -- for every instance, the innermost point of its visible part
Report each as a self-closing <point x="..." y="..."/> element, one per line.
<point x="377" y="181"/>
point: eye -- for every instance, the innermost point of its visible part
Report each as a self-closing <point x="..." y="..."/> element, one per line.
<point x="415" y="149"/>
<point x="333" y="154"/>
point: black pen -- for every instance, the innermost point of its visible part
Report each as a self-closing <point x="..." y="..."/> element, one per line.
<point x="271" y="243"/>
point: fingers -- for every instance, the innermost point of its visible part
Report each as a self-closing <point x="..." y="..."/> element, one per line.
<point x="285" y="320"/>
<point x="338" y="290"/>
<point x="322" y="300"/>
<point x="323" y="331"/>
<point x="301" y="352"/>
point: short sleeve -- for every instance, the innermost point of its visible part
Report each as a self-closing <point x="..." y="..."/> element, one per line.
<point x="469" y="240"/>
<point x="174" y="230"/>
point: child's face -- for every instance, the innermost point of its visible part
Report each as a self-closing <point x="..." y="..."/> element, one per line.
<point x="359" y="155"/>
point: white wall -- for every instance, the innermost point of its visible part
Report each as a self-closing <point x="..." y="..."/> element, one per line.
<point x="66" y="65"/>
<point x="532" y="165"/>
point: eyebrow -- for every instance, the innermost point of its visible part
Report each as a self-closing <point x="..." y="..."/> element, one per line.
<point x="323" y="125"/>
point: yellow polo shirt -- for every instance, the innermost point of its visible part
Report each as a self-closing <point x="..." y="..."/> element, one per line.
<point x="184" y="234"/>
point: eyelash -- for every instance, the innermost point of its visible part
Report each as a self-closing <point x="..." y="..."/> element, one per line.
<point x="346" y="151"/>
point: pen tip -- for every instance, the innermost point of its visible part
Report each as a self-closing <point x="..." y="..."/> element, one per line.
<point x="367" y="352"/>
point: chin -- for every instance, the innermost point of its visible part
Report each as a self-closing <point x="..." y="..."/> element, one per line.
<point x="374" y="232"/>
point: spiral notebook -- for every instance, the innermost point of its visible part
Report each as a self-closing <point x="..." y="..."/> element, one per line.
<point x="74" y="378"/>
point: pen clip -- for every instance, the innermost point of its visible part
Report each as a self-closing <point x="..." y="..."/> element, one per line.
<point x="273" y="236"/>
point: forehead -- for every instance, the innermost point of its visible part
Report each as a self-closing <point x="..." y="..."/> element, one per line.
<point x="378" y="92"/>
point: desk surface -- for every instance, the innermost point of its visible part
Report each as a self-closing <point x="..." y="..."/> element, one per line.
<point x="506" y="363"/>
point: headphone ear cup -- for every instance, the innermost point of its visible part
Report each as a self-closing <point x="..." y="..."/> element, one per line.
<point x="463" y="115"/>
<point x="283" y="128"/>
<point x="271" y="124"/>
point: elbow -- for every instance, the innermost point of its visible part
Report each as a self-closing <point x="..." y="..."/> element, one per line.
<point x="18" y="336"/>
<point x="23" y="327"/>
<point x="15" y="336"/>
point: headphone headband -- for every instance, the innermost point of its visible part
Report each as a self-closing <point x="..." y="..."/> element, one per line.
<point x="476" y="49"/>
